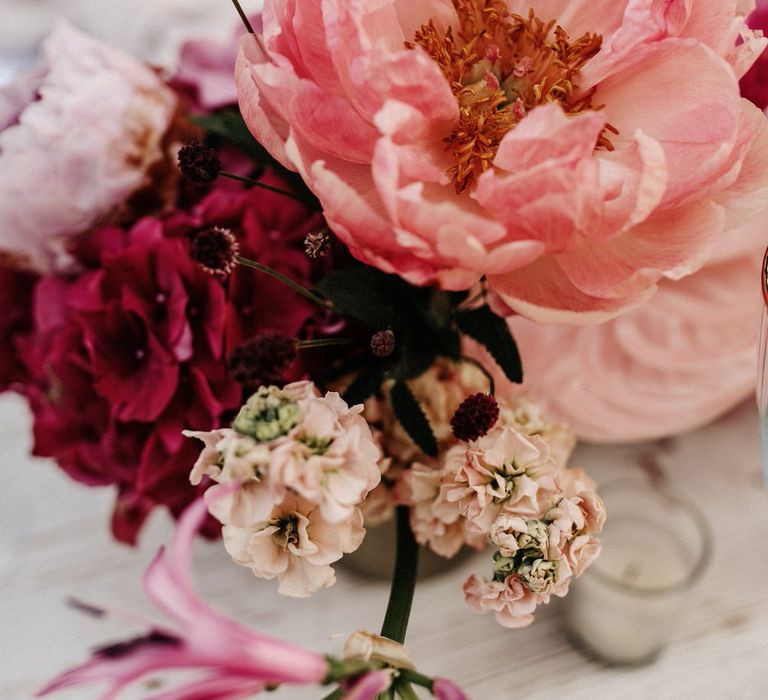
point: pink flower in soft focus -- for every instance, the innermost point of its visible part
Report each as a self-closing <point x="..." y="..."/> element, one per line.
<point x="510" y="601"/>
<point x="676" y="363"/>
<point x="232" y="661"/>
<point x="205" y="68"/>
<point x="89" y="122"/>
<point x="296" y="545"/>
<point x="443" y="169"/>
<point x="502" y="470"/>
<point x="443" y="689"/>
<point x="754" y="85"/>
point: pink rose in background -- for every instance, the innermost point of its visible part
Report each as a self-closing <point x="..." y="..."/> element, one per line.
<point x="443" y="171"/>
<point x="676" y="363"/>
<point x="78" y="136"/>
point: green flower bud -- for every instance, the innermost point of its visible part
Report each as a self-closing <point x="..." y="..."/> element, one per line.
<point x="268" y="414"/>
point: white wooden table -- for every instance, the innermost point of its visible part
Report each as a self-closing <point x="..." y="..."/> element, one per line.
<point x="720" y="650"/>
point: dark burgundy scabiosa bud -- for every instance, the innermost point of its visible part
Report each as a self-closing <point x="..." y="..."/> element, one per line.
<point x="199" y="163"/>
<point x="383" y="343"/>
<point x="215" y="250"/>
<point x="262" y="360"/>
<point x="317" y="244"/>
<point x="474" y="417"/>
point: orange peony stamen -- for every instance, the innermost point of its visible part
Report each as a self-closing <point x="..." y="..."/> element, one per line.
<point x="500" y="66"/>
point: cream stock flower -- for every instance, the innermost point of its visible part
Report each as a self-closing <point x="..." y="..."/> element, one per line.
<point x="503" y="470"/>
<point x="296" y="545"/>
<point x="509" y="600"/>
<point x="329" y="458"/>
<point x="302" y="465"/>
<point x="435" y="523"/>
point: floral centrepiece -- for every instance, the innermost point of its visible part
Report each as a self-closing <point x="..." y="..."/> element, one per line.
<point x="549" y="149"/>
<point x="312" y="331"/>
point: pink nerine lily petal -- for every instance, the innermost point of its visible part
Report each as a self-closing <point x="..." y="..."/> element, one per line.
<point x="369" y="686"/>
<point x="443" y="689"/>
<point x="235" y="662"/>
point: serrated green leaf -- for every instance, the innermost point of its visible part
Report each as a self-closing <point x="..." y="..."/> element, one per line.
<point x="412" y="418"/>
<point x="365" y="384"/>
<point x="493" y="333"/>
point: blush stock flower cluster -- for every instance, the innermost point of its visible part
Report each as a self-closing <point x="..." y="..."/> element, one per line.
<point x="509" y="488"/>
<point x="303" y="464"/>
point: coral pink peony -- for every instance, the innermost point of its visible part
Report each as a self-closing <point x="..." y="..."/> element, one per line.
<point x="573" y="153"/>
<point x="231" y="661"/>
<point x="90" y="123"/>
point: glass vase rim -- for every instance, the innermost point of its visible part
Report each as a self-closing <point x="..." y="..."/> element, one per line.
<point x="695" y="514"/>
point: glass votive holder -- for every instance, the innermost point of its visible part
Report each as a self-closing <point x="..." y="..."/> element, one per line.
<point x="656" y="545"/>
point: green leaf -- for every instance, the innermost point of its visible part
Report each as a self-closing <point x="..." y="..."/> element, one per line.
<point x="366" y="383"/>
<point x="229" y="124"/>
<point x="361" y="292"/>
<point x="412" y="418"/>
<point x="491" y="331"/>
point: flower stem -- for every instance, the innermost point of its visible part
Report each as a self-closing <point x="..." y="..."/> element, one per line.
<point x="243" y="17"/>
<point x="403" y="580"/>
<point x="295" y="286"/>
<point x="323" y="342"/>
<point x="263" y="185"/>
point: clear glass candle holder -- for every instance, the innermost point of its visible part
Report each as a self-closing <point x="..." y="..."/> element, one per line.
<point x="656" y="545"/>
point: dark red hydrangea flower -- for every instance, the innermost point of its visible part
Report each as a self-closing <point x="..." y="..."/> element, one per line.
<point x="16" y="288"/>
<point x="754" y="85"/>
<point x="132" y="349"/>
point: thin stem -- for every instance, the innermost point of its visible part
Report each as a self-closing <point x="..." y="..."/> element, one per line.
<point x="264" y="186"/>
<point x="295" y="286"/>
<point x="403" y="580"/>
<point x="243" y="17"/>
<point x="323" y="342"/>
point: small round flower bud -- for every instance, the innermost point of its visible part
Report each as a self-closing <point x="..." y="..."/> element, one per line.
<point x="199" y="163"/>
<point x="215" y="250"/>
<point x="383" y="343"/>
<point x="262" y="360"/>
<point x="474" y="417"/>
<point x="317" y="244"/>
